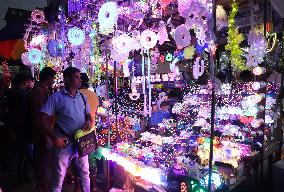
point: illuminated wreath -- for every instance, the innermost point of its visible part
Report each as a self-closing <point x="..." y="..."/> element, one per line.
<point x="182" y="36"/>
<point x="38" y="16"/>
<point x="148" y="39"/>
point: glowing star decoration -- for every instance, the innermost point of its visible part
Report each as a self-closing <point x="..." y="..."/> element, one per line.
<point x="234" y="39"/>
<point x="148" y="39"/>
<point x="107" y="17"/>
<point x="182" y="37"/>
<point x="122" y="43"/>
<point x="188" y="52"/>
<point x="34" y="56"/>
<point x="257" y="50"/>
<point x="221" y="17"/>
<point x="198" y="68"/>
<point x="76" y="36"/>
<point x="38" y="16"/>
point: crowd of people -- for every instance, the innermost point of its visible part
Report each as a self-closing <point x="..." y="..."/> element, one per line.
<point x="40" y="122"/>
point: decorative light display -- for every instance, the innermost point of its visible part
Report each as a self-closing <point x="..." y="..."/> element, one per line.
<point x="221" y="17"/>
<point x="259" y="70"/>
<point x="38" y="16"/>
<point x="107" y="17"/>
<point x="234" y="39"/>
<point x="34" y="56"/>
<point x="182" y="36"/>
<point x="188" y="52"/>
<point x="76" y="36"/>
<point x="55" y="48"/>
<point x="148" y="39"/>
<point x="122" y="43"/>
<point x="217" y="180"/>
<point x="198" y="68"/>
<point x="257" y="49"/>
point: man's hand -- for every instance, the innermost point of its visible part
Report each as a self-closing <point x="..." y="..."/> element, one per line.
<point x="60" y="142"/>
<point x="88" y="125"/>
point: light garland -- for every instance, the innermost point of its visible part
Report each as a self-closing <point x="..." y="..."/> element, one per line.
<point x="234" y="39"/>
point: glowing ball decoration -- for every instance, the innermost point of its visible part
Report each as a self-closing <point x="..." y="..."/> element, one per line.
<point x="76" y="36"/>
<point x="182" y="36"/>
<point x="107" y="17"/>
<point x="148" y="39"/>
<point x="55" y="48"/>
<point x="258" y="70"/>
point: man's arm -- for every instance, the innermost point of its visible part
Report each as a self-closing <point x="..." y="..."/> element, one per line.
<point x="49" y="131"/>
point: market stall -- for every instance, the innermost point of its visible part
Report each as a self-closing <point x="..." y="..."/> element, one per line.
<point x="177" y="114"/>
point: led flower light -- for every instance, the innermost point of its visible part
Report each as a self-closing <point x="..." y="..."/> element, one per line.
<point x="107" y="17"/>
<point x="148" y="39"/>
<point x="122" y="43"/>
<point x="76" y="36"/>
<point x="34" y="56"/>
<point x="182" y="36"/>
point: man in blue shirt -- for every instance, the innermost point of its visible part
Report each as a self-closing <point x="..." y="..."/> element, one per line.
<point x="68" y="107"/>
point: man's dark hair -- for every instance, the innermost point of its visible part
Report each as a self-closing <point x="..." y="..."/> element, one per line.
<point x="165" y="103"/>
<point x="19" y="78"/>
<point x="46" y="73"/>
<point x="69" y="71"/>
<point x="85" y="80"/>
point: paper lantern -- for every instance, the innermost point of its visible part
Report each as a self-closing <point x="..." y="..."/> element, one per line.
<point x="148" y="39"/>
<point x="76" y="36"/>
<point x="182" y="36"/>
